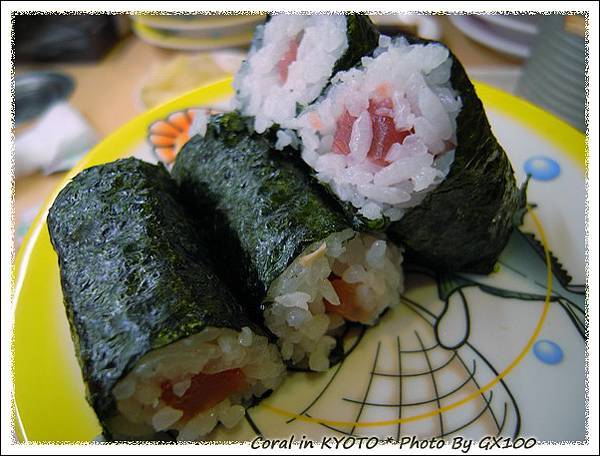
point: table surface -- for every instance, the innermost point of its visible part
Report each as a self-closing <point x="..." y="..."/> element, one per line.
<point x="107" y="93"/>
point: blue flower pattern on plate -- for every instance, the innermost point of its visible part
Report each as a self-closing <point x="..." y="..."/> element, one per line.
<point x="542" y="168"/>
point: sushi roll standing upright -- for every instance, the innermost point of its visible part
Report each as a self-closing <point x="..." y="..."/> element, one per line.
<point x="403" y="142"/>
<point x="291" y="61"/>
<point x="281" y="240"/>
<point x="166" y="350"/>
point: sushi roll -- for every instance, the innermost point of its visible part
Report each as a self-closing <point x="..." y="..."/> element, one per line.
<point x="403" y="142"/>
<point x="165" y="349"/>
<point x="280" y="239"/>
<point x="291" y="61"/>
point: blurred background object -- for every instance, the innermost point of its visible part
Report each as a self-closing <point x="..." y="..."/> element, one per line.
<point x="60" y="137"/>
<point x="417" y="24"/>
<point x="51" y="135"/>
<point x="107" y="76"/>
<point x="64" y="38"/>
<point x="37" y="91"/>
<point x="196" y="32"/>
<point x="185" y="72"/>
<point x="554" y="74"/>
<point x="509" y="34"/>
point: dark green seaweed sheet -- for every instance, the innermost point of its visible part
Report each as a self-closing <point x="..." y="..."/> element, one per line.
<point x="132" y="272"/>
<point x="363" y="38"/>
<point x="465" y="222"/>
<point x="257" y="207"/>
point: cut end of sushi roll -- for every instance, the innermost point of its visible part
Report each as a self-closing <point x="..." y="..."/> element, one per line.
<point x="384" y="134"/>
<point x="348" y="276"/>
<point x="290" y="63"/>
<point x="187" y="388"/>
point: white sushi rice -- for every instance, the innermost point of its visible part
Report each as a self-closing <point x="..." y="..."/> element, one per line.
<point x="298" y="315"/>
<point x="416" y="79"/>
<point x="260" y="90"/>
<point x="213" y="350"/>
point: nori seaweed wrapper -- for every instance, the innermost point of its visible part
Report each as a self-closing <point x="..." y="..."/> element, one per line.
<point x="133" y="275"/>
<point x="363" y="38"/>
<point x="258" y="208"/>
<point x="465" y="222"/>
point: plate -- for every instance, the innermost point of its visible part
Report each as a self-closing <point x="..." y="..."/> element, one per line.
<point x="519" y="23"/>
<point x="199" y="22"/>
<point x="464" y="355"/>
<point x="187" y="41"/>
<point x="495" y="36"/>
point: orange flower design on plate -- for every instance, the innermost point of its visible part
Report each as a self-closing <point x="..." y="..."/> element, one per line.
<point x="167" y="137"/>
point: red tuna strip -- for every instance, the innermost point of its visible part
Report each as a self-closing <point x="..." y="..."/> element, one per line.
<point x="205" y="391"/>
<point x="384" y="132"/>
<point x="288" y="58"/>
<point x="343" y="131"/>
<point x="349" y="307"/>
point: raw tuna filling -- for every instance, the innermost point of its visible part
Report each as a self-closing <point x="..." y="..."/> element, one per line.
<point x="288" y="58"/>
<point x="204" y="392"/>
<point x="383" y="131"/>
<point x="349" y="305"/>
